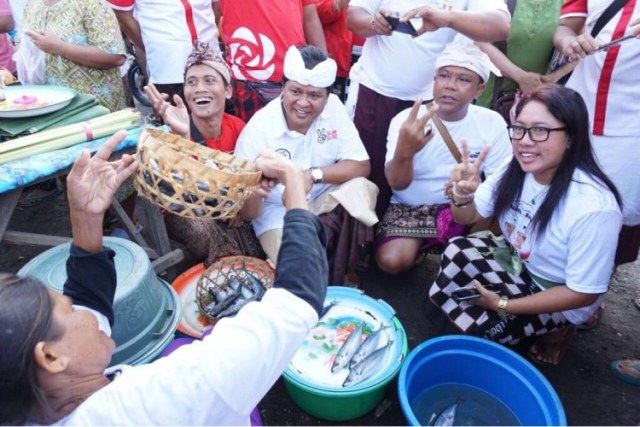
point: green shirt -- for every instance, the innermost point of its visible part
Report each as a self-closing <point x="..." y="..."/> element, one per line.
<point x="530" y="43"/>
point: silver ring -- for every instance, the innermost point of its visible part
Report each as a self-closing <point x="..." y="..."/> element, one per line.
<point x="427" y="130"/>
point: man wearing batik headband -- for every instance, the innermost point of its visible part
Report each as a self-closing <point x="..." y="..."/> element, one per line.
<point x="418" y="161"/>
<point x="206" y="88"/>
<point x="311" y="127"/>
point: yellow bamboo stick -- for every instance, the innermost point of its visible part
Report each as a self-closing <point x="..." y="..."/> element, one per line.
<point x="65" y="141"/>
<point x="37" y="138"/>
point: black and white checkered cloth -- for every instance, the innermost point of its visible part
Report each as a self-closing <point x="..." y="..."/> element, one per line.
<point x="471" y="258"/>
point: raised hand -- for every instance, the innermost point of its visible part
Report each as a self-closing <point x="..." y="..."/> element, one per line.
<point x="415" y="133"/>
<point x="93" y="181"/>
<point x="579" y="46"/>
<point x="177" y="117"/>
<point x="432" y="18"/>
<point x="379" y="24"/>
<point x="465" y="176"/>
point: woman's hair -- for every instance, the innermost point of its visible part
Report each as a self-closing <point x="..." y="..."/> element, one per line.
<point x="567" y="106"/>
<point x="26" y="318"/>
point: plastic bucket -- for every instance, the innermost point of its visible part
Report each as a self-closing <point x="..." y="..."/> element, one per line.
<point x="146" y="309"/>
<point x="308" y="378"/>
<point x="493" y="368"/>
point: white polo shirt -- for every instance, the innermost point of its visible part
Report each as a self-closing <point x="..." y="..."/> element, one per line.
<point x="331" y="138"/>
<point x="169" y="31"/>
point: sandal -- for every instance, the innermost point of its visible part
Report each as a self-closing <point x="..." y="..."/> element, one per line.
<point x="549" y="349"/>
<point x="593" y="320"/>
<point x="636" y="301"/>
<point x="627" y="370"/>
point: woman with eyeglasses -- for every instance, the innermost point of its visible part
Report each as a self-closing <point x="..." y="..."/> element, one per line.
<point x="559" y="215"/>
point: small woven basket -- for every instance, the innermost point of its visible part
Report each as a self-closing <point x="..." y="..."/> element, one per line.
<point x="192" y="180"/>
<point x="219" y="273"/>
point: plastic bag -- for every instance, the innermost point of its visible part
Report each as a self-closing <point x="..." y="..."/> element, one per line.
<point x="30" y="62"/>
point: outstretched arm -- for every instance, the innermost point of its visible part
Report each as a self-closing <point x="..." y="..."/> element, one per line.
<point x="483" y="26"/>
<point x="92" y="183"/>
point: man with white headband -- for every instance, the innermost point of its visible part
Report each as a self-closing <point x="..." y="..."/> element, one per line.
<point x="310" y="126"/>
<point x="419" y="162"/>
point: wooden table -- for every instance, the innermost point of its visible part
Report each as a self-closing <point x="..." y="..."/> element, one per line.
<point x="159" y="249"/>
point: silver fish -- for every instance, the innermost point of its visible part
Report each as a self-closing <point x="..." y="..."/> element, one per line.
<point x="369" y="366"/>
<point x="255" y="285"/>
<point x="348" y="348"/>
<point x="448" y="416"/>
<point x="368" y="346"/>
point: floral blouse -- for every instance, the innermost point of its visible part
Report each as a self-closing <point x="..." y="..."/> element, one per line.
<point x="86" y="23"/>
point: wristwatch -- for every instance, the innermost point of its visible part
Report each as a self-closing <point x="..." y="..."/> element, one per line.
<point x="316" y="175"/>
<point x="502" y="307"/>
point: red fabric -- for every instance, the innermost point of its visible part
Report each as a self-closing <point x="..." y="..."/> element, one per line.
<point x="188" y="16"/>
<point x="574" y="6"/>
<point x="231" y="128"/>
<point x="258" y="34"/>
<point x="122" y="3"/>
<point x="607" y="69"/>
<point x="337" y="36"/>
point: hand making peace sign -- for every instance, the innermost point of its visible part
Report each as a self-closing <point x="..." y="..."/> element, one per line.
<point x="415" y="133"/>
<point x="465" y="176"/>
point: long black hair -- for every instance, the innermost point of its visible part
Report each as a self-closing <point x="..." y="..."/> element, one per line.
<point x="567" y="106"/>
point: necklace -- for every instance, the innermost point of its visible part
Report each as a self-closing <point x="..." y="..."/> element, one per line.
<point x="534" y="199"/>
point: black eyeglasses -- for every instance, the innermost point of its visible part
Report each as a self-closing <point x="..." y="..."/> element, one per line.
<point x="536" y="133"/>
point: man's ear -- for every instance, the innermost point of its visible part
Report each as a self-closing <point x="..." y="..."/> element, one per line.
<point x="481" y="87"/>
<point x="228" y="92"/>
<point x="48" y="359"/>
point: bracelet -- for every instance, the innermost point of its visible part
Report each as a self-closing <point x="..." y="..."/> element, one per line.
<point x="463" y="204"/>
<point x="502" y="307"/>
<point x="462" y="196"/>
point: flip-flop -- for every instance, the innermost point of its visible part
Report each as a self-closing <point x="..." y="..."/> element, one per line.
<point x="617" y="371"/>
<point x="593" y="320"/>
<point x="636" y="301"/>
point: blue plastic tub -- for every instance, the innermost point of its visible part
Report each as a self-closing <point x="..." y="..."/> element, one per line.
<point x="494" y="369"/>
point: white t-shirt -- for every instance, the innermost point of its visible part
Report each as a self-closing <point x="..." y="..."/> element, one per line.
<point x="331" y="138"/>
<point x="169" y="31"/>
<point x="579" y="244"/>
<point x="399" y="66"/>
<point x="216" y="381"/>
<point x="433" y="164"/>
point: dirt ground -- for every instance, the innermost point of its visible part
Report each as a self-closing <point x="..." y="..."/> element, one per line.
<point x="588" y="391"/>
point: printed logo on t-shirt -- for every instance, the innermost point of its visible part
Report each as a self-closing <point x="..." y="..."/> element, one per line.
<point x="284" y="153"/>
<point x="254" y="53"/>
<point x="517" y="222"/>
<point x="324" y="135"/>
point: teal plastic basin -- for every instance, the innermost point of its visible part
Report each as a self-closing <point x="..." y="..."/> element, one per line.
<point x="146" y="309"/>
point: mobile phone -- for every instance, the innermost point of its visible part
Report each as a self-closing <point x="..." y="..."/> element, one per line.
<point x="464" y="294"/>
<point x="401" y="27"/>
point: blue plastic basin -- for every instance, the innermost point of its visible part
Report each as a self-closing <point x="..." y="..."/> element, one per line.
<point x="483" y="364"/>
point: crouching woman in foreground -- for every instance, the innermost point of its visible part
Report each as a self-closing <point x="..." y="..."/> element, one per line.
<point x="560" y="217"/>
<point x="54" y="358"/>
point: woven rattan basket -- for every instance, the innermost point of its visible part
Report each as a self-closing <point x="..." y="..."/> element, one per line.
<point x="192" y="180"/>
<point x="219" y="274"/>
